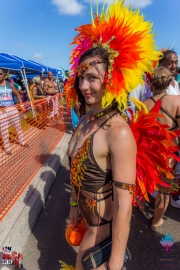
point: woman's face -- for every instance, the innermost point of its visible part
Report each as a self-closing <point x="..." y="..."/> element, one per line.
<point x="91" y="81"/>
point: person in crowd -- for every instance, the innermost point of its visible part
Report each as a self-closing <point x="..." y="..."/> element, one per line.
<point x="30" y="85"/>
<point x="17" y="86"/>
<point x="42" y="78"/>
<point x="50" y="89"/>
<point x="170" y="108"/>
<point x="61" y="86"/>
<point x="39" y="99"/>
<point x="75" y="115"/>
<point x="102" y="151"/>
<point x="170" y="61"/>
<point x="23" y="91"/>
<point x="9" y="115"/>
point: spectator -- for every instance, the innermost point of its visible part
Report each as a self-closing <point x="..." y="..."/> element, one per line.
<point x="170" y="108"/>
<point x="23" y="91"/>
<point x="17" y="86"/>
<point x="39" y="98"/>
<point x="50" y="89"/>
<point x="170" y="61"/>
<point x="8" y="113"/>
<point x="42" y="77"/>
<point x="30" y="85"/>
<point x="61" y="86"/>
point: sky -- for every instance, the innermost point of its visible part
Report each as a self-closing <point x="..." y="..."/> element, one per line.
<point x="42" y="30"/>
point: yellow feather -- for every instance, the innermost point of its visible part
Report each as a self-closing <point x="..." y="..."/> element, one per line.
<point x="66" y="266"/>
<point x="141" y="106"/>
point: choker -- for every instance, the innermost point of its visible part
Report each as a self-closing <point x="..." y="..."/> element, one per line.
<point x="100" y="114"/>
<point x="91" y="118"/>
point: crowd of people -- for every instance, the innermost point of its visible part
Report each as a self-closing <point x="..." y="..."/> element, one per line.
<point x="14" y="97"/>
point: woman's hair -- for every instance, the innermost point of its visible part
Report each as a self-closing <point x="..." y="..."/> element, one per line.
<point x="97" y="51"/>
<point x="160" y="79"/>
<point x="36" y="79"/>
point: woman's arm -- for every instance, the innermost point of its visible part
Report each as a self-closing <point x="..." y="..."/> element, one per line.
<point x="122" y="148"/>
<point x="15" y="91"/>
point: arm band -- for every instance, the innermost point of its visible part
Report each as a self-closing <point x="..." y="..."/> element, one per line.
<point x="125" y="186"/>
<point x="73" y="204"/>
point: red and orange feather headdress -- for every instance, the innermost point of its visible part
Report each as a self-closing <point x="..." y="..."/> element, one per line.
<point x="129" y="41"/>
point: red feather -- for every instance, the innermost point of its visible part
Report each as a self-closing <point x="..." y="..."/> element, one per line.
<point x="155" y="146"/>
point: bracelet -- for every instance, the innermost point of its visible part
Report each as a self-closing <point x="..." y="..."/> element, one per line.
<point x="73" y="204"/>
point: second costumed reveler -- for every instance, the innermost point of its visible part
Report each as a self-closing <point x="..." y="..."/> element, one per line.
<point x="128" y="42"/>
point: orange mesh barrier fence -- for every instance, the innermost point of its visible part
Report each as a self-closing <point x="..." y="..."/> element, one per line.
<point x="26" y="140"/>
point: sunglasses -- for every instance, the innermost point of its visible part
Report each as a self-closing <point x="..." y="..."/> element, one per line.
<point x="1" y="73"/>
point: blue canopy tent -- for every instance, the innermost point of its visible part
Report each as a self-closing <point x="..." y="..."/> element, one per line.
<point x="56" y="72"/>
<point x="10" y="64"/>
<point x="26" y="68"/>
<point x="25" y="64"/>
<point x="44" y="68"/>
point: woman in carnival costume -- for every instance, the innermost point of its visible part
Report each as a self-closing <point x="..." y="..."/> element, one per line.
<point x="107" y="172"/>
<point x="170" y="108"/>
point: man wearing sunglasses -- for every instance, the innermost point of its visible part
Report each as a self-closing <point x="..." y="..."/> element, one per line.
<point x="9" y="115"/>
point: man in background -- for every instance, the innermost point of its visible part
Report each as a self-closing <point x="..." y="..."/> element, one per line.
<point x="170" y="61"/>
<point x="51" y="90"/>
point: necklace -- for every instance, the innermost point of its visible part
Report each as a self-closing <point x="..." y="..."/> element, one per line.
<point x="91" y="118"/>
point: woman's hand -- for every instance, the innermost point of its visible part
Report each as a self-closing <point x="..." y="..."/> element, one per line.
<point x="74" y="213"/>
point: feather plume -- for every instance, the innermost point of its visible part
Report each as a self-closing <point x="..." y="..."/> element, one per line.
<point x="155" y="146"/>
<point x="66" y="266"/>
<point x="129" y="40"/>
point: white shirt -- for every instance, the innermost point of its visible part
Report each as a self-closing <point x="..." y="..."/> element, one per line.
<point x="173" y="90"/>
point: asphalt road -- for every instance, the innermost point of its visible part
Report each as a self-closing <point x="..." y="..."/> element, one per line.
<point x="47" y="243"/>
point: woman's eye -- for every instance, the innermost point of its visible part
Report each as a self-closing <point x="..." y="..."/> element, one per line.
<point x="81" y="78"/>
<point x="92" y="77"/>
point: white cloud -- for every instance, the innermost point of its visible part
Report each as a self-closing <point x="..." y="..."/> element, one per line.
<point x="139" y="3"/>
<point x="69" y="7"/>
<point x="133" y="3"/>
<point x="74" y="7"/>
<point x="38" y="56"/>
